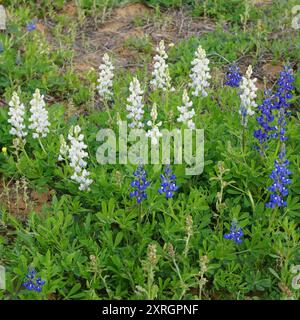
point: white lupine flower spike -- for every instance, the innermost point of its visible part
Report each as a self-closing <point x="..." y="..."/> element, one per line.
<point x="16" y="115"/>
<point x="106" y="75"/>
<point x="135" y="106"/>
<point x="39" y="122"/>
<point x="200" y="73"/>
<point x="247" y="95"/>
<point x="186" y="111"/>
<point x="154" y="132"/>
<point x="64" y="149"/>
<point x="77" y="156"/>
<point x="161" y="76"/>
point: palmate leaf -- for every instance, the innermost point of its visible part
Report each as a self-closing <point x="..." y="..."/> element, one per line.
<point x="293" y="207"/>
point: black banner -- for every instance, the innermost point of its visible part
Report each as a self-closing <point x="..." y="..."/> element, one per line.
<point x="96" y="310"/>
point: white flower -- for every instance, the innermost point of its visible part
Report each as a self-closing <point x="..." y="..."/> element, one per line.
<point x="135" y="105"/>
<point x="64" y="148"/>
<point x="154" y="132"/>
<point x="200" y="73"/>
<point x="77" y="155"/>
<point x="247" y="93"/>
<point x="161" y="76"/>
<point x="119" y="120"/>
<point x="186" y="114"/>
<point x="106" y="76"/>
<point x="153" y="112"/>
<point x="39" y="116"/>
<point x="16" y="117"/>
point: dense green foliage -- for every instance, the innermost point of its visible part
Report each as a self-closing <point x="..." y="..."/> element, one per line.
<point x="92" y="245"/>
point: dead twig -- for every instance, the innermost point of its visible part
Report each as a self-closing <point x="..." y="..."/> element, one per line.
<point x="3" y="102"/>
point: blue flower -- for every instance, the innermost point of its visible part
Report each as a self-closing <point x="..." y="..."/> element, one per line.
<point x="233" y="76"/>
<point x="33" y="284"/>
<point x="281" y="125"/>
<point x="275" y="101"/>
<point x="243" y="113"/>
<point x="39" y="284"/>
<point x="282" y="96"/>
<point x="235" y="233"/>
<point x="31" y="274"/>
<point x="168" y="183"/>
<point x="265" y="119"/>
<point x="280" y="176"/>
<point x="284" y="88"/>
<point x="140" y="184"/>
<point x="30" y="26"/>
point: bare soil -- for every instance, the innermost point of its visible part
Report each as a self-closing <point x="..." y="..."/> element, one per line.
<point x="19" y="202"/>
<point x="132" y="22"/>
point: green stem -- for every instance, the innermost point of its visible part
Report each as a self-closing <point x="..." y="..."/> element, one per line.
<point x="186" y="249"/>
<point x="167" y="102"/>
<point x="40" y="142"/>
<point x="107" y="109"/>
<point x="180" y="278"/>
<point x="150" y="283"/>
<point x="140" y="213"/>
<point x="273" y="217"/>
<point x="200" y="286"/>
<point x="171" y="211"/>
<point x="23" y="149"/>
<point x="217" y="54"/>
<point x="243" y="140"/>
<point x="105" y="285"/>
<point x="244" y="251"/>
